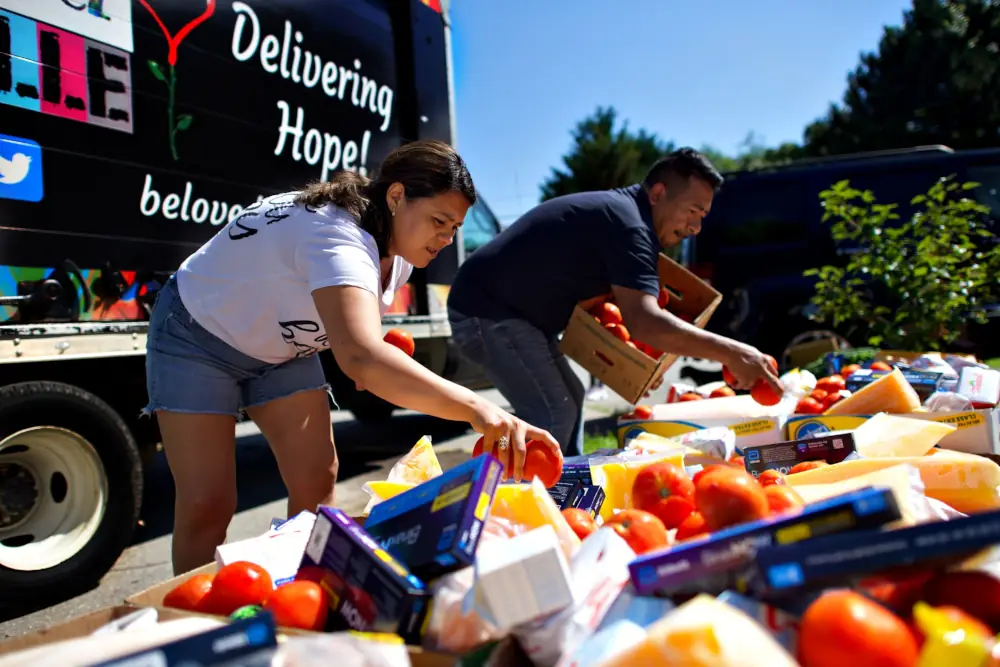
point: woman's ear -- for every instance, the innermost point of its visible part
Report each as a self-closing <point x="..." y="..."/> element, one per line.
<point x="394" y="196"/>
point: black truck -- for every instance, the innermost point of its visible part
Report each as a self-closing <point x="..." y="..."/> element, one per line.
<point x="131" y="131"/>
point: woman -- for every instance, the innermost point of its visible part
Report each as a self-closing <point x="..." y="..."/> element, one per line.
<point x="238" y="326"/>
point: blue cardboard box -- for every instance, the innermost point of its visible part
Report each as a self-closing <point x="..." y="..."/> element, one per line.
<point x="434" y="528"/>
<point x="714" y="564"/>
<point x="369" y="590"/>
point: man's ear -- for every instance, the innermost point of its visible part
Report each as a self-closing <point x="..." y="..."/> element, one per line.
<point x="657" y="192"/>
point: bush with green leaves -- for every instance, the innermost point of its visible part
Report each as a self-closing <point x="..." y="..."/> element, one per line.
<point x="933" y="272"/>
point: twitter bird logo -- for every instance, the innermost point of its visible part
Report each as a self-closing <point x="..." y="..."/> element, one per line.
<point x="20" y="169"/>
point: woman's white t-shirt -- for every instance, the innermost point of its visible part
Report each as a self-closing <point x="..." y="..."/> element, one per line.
<point x="251" y="285"/>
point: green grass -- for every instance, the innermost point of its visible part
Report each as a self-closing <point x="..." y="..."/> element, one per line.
<point x="993" y="363"/>
<point x="599" y="441"/>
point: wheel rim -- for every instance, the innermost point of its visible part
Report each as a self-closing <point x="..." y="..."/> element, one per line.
<point x="53" y="494"/>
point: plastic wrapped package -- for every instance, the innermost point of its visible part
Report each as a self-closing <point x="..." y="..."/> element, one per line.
<point x="530" y="506"/>
<point x="716" y="443"/>
<point x="454" y="624"/>
<point x="947" y="401"/>
<point x="616" y="474"/>
<point x="343" y="650"/>
<point x="417" y="466"/>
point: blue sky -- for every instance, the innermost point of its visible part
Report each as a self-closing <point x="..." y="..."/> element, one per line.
<point x="697" y="73"/>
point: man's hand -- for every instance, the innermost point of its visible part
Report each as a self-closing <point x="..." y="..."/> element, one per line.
<point x="748" y="364"/>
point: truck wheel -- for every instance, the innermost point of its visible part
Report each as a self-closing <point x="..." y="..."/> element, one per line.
<point x="70" y="489"/>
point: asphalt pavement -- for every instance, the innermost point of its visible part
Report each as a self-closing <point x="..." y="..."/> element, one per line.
<point x="366" y="453"/>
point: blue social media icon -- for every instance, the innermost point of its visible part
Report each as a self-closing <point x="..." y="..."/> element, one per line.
<point x="20" y="169"/>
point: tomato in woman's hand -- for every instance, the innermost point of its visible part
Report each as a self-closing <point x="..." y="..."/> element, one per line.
<point x="299" y="604"/>
<point x="580" y="521"/>
<point x="641" y="530"/>
<point x="543" y="462"/>
<point x="843" y="628"/>
<point x="728" y="496"/>
<point x="189" y="594"/>
<point x="237" y="585"/>
<point x="665" y="491"/>
<point x="401" y="339"/>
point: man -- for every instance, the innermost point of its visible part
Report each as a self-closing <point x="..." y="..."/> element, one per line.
<point x="512" y="298"/>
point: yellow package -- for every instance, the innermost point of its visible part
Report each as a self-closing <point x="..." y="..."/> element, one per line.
<point x="616" y="474"/>
<point x="417" y="466"/>
<point x="948" y="643"/>
<point x="531" y="506"/>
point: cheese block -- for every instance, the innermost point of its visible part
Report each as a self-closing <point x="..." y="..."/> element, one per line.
<point x="704" y="632"/>
<point x="888" y="435"/>
<point x="890" y="393"/>
<point x="967" y="482"/>
<point x="908" y="492"/>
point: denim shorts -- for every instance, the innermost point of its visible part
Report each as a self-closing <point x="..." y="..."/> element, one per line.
<point x="191" y="370"/>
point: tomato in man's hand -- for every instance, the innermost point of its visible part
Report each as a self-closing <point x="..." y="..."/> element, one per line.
<point x="580" y="522"/>
<point x="663" y="300"/>
<point x="237" y="585"/>
<point x="641" y="530"/>
<point x="401" y="339"/>
<point x="189" y="594"/>
<point x="299" y="604"/>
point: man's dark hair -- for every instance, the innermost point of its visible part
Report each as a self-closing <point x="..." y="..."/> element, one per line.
<point x="676" y="169"/>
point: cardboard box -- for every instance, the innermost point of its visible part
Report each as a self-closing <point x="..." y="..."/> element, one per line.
<point x="978" y="430"/>
<point x="719" y="562"/>
<point x="369" y="590"/>
<point x="434" y="528"/>
<point x="837" y="559"/>
<point x="783" y="456"/>
<point x="622" y="368"/>
<point x="759" y="431"/>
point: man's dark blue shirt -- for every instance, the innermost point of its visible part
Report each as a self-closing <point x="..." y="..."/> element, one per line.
<point x="561" y="252"/>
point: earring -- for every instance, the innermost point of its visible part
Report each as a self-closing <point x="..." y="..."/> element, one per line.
<point x="392" y="212"/>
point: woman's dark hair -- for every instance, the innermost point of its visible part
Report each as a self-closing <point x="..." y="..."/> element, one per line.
<point x="425" y="168"/>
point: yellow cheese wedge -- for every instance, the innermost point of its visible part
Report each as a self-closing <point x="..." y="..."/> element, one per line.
<point x="888" y="435"/>
<point x="897" y="479"/>
<point x="967" y="482"/>
<point x="890" y="393"/>
<point x="704" y="632"/>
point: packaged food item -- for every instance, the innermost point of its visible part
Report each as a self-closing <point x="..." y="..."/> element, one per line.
<point x="567" y="494"/>
<point x="714" y="564"/>
<point x="616" y="474"/>
<point x="368" y="589"/>
<point x="434" y="527"/>
<point x="783" y="456"/>
<point x="592" y="500"/>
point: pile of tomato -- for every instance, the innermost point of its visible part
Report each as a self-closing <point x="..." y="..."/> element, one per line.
<point x="608" y="315"/>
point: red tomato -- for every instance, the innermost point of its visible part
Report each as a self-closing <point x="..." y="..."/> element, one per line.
<point x="641" y="530"/>
<point x="237" y="585"/>
<point x="608" y="313"/>
<point x="189" y="594"/>
<point x="764" y="394"/>
<point x="819" y="395"/>
<point x="728" y="377"/>
<point x="807" y="465"/>
<point x="299" y="604"/>
<point x="770" y="477"/>
<point x="808" y="406"/>
<point x="722" y="392"/>
<point x="580" y="521"/>
<point x="665" y="491"/>
<point x="783" y="499"/>
<point x="401" y="339"/>
<point x="845" y="628"/>
<point x="831" y="384"/>
<point x="664" y="298"/>
<point x="539" y="461"/>
<point x="880" y="366"/>
<point x="640" y="412"/>
<point x="693" y="526"/>
<point x="849" y="370"/>
<point x="831" y="399"/>
<point x="729" y="496"/>
<point x="704" y="471"/>
<point x="690" y="396"/>
<point x="618" y="331"/>
<point x="738" y="461"/>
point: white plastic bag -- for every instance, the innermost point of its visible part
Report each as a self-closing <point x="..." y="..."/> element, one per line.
<point x="342" y="649"/>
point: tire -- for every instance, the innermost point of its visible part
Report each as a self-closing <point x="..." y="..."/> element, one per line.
<point x="72" y="434"/>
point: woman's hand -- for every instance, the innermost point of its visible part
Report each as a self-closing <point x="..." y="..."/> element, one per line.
<point x="748" y="364"/>
<point x="504" y="433"/>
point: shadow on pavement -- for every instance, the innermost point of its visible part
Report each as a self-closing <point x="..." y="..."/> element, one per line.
<point x="359" y="446"/>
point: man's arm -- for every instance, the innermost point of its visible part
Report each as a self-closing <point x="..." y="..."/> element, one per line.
<point x="647" y="322"/>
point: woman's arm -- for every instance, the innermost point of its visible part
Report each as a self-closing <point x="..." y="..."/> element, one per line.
<point x="354" y="328"/>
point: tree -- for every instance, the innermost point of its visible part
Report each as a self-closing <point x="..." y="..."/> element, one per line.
<point x="604" y="157"/>
<point x="935" y="79"/>
<point x="916" y="282"/>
